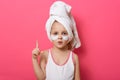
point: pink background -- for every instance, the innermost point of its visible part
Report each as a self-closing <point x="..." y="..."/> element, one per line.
<point x="22" y="22"/>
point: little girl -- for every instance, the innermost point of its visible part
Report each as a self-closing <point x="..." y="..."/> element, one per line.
<point x="58" y="62"/>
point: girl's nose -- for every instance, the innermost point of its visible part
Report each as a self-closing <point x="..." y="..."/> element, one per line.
<point x="59" y="36"/>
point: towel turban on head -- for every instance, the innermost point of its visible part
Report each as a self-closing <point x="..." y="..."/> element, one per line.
<point x="60" y="11"/>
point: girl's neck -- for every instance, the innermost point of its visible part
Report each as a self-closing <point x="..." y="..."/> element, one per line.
<point x="61" y="50"/>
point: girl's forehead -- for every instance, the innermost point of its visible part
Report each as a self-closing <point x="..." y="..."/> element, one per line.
<point x="57" y="26"/>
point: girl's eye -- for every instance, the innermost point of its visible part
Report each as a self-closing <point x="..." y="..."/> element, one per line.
<point x="64" y="33"/>
<point x="55" y="33"/>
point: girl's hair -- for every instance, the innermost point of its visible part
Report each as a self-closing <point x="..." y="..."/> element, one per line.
<point x="70" y="44"/>
<point x="70" y="47"/>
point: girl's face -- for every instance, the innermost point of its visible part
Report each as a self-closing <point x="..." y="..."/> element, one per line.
<point x="59" y="35"/>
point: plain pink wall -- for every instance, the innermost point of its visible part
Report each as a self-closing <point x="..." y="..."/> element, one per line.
<point x="22" y="22"/>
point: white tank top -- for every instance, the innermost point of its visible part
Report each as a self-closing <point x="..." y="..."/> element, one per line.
<point x="59" y="72"/>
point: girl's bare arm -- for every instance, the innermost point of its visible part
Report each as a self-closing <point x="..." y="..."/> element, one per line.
<point x="77" y="70"/>
<point x="39" y="72"/>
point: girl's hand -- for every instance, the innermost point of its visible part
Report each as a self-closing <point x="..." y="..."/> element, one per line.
<point x="36" y="51"/>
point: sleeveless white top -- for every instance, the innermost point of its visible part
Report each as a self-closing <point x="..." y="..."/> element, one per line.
<point x="59" y="72"/>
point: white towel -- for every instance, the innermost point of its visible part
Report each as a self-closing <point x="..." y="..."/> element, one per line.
<point x="60" y="11"/>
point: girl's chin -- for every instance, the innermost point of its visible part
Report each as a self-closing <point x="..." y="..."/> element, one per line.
<point x="60" y="46"/>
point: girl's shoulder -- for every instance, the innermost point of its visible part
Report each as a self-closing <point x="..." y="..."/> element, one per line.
<point x="43" y="57"/>
<point x="75" y="55"/>
<point x="75" y="58"/>
<point x="44" y="54"/>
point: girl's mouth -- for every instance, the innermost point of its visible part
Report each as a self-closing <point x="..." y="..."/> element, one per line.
<point x="60" y="42"/>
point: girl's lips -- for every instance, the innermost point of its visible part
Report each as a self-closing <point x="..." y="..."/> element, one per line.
<point x="59" y="42"/>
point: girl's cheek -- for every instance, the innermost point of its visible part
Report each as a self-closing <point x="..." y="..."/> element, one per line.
<point x="65" y="38"/>
<point x="54" y="37"/>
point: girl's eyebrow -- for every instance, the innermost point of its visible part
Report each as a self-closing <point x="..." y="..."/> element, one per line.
<point x="65" y="31"/>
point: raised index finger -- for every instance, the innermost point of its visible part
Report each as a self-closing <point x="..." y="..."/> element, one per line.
<point x="36" y="43"/>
